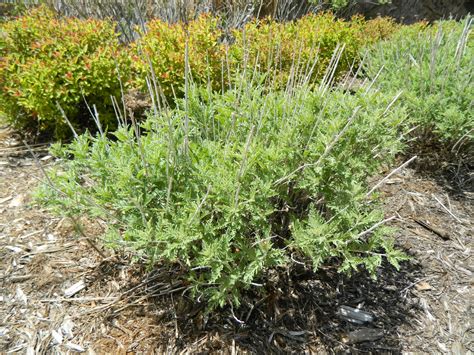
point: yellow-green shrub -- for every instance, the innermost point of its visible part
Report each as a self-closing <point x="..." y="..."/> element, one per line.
<point x="283" y="47"/>
<point x="377" y="29"/>
<point x="164" y="46"/>
<point x="273" y="46"/>
<point x="46" y="60"/>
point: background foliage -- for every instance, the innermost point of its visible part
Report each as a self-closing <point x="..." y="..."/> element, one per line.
<point x="47" y="61"/>
<point x="302" y="48"/>
<point x="305" y="47"/>
<point x="162" y="48"/>
<point x="433" y="67"/>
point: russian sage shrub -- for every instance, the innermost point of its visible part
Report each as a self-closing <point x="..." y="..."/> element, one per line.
<point x="432" y="67"/>
<point x="230" y="185"/>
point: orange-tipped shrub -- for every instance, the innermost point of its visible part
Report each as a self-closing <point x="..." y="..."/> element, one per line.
<point x="47" y="61"/>
<point x="281" y="49"/>
<point x="164" y="45"/>
<point x="293" y="48"/>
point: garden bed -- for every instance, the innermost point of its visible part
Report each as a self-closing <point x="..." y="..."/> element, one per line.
<point x="120" y="307"/>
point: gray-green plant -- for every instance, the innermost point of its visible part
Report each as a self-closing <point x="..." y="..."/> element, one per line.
<point x="433" y="67"/>
<point x="230" y="185"/>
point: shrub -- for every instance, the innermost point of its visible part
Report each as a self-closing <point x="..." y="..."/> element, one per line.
<point x="304" y="48"/>
<point x="433" y="67"/>
<point x="239" y="183"/>
<point x="374" y="30"/>
<point x="164" y="45"/>
<point x="285" y="50"/>
<point x="46" y="60"/>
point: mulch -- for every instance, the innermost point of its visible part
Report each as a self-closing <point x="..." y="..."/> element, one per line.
<point x="58" y="294"/>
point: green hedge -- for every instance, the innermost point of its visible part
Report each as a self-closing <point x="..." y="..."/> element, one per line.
<point x="299" y="48"/>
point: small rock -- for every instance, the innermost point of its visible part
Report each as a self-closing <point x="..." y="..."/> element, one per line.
<point x="17" y="201"/>
<point x="57" y="336"/>
<point x="354" y="315"/>
<point x="46" y="158"/>
<point x="364" y="334"/>
<point x="67" y="327"/>
<point x="443" y="347"/>
<point x="20" y="295"/>
<point x="14" y="249"/>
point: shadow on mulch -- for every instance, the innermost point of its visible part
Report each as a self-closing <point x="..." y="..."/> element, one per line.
<point x="300" y="312"/>
<point x="452" y="168"/>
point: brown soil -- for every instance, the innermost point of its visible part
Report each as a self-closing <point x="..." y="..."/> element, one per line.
<point x="122" y="307"/>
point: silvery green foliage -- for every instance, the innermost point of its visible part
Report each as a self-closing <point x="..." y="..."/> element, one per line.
<point x="230" y="185"/>
<point x="432" y="66"/>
